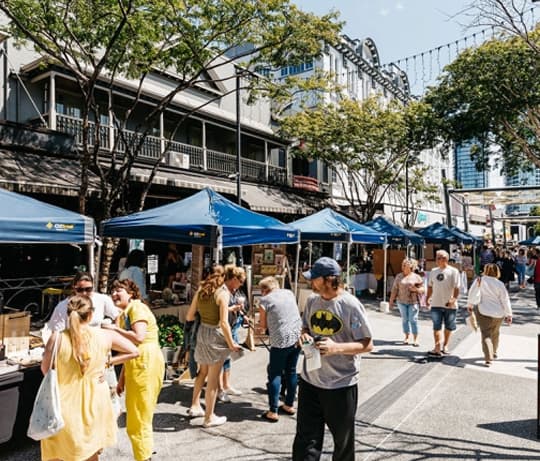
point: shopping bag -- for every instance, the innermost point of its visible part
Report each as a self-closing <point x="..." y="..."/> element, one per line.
<point x="529" y="271"/>
<point x="46" y="418"/>
<point x="472" y="321"/>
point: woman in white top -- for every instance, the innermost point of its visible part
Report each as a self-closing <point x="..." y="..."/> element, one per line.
<point x="493" y="307"/>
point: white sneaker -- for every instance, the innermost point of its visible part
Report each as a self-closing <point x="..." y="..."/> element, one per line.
<point x="223" y="397"/>
<point x="217" y="421"/>
<point x="233" y="391"/>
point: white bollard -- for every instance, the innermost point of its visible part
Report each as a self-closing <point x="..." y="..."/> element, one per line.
<point x="384" y="306"/>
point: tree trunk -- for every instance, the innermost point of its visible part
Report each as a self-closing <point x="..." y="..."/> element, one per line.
<point x="110" y="245"/>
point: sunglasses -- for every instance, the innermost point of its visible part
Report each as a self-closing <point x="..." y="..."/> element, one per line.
<point x="84" y="289"/>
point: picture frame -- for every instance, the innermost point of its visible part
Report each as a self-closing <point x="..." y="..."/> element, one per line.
<point x="279" y="259"/>
<point x="256" y="279"/>
<point x="257" y="259"/>
<point x="268" y="257"/>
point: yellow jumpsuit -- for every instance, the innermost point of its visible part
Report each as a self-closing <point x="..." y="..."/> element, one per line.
<point x="143" y="380"/>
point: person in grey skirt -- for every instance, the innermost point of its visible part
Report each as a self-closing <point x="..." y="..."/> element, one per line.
<point x="214" y="341"/>
<point x="279" y="313"/>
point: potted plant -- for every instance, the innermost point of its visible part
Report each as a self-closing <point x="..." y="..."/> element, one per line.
<point x="171" y="336"/>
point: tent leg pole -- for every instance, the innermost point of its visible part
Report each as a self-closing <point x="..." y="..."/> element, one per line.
<point x="296" y="273"/>
<point x="91" y="263"/>
<point x="384" y="269"/>
<point x="348" y="265"/>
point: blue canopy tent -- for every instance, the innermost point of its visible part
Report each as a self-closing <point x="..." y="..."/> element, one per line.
<point x="206" y="218"/>
<point x="27" y="220"/>
<point x="535" y="240"/>
<point x="466" y="237"/>
<point x="439" y="233"/>
<point x="329" y="226"/>
<point x="395" y="234"/>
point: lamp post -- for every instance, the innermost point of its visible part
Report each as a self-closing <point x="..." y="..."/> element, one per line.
<point x="407" y="211"/>
<point x="238" y="141"/>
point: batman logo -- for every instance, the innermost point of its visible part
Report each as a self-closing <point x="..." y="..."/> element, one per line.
<point x="325" y="323"/>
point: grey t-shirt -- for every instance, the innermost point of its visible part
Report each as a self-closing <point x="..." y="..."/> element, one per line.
<point x="282" y="317"/>
<point x="342" y="319"/>
<point x="443" y="282"/>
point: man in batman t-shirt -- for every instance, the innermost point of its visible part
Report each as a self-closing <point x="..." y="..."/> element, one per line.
<point x="338" y="324"/>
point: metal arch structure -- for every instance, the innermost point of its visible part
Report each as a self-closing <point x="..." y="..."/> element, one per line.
<point x="510" y="195"/>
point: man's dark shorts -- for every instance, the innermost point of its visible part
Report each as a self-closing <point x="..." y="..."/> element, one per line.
<point x="440" y="315"/>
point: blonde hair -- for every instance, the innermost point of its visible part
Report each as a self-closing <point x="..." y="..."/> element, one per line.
<point x="79" y="312"/>
<point x="232" y="271"/>
<point x="443" y="253"/>
<point x="492" y="270"/>
<point x="269" y="283"/>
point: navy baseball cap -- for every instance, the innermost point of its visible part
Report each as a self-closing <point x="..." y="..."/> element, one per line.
<point x="323" y="267"/>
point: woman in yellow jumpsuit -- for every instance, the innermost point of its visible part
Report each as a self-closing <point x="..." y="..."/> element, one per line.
<point x="141" y="378"/>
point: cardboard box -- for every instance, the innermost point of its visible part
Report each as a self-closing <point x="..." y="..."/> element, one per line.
<point x="15" y="331"/>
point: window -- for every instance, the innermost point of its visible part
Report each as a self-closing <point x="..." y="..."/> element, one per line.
<point x="297" y="69"/>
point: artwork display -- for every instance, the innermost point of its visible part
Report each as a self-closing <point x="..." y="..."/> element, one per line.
<point x="268" y="256"/>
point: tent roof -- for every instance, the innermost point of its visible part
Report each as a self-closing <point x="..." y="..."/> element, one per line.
<point x="205" y="218"/>
<point x="466" y="237"/>
<point x="531" y="241"/>
<point x="27" y="220"/>
<point x="330" y="226"/>
<point x="439" y="233"/>
<point x="395" y="233"/>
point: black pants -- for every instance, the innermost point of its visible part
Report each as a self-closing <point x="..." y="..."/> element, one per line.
<point x="336" y="408"/>
<point x="537" y="293"/>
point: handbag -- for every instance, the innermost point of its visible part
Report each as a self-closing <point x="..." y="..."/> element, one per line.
<point x="529" y="271"/>
<point x="475" y="294"/>
<point x="46" y="418"/>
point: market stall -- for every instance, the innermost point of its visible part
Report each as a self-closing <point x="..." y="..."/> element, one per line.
<point x="329" y="226"/>
<point x="206" y="219"/>
<point x="26" y="220"/>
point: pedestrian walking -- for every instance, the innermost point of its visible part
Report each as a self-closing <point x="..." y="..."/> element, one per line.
<point x="442" y="294"/>
<point x="489" y="300"/>
<point x="521" y="267"/>
<point x="407" y="288"/>
<point x="335" y="322"/>
<point x="279" y="313"/>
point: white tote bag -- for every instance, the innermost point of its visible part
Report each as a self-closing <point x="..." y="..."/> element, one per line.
<point x="46" y="419"/>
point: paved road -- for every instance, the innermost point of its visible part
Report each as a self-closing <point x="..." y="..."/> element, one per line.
<point x="410" y="408"/>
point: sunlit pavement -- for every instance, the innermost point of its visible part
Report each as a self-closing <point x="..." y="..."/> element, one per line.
<point x="410" y="408"/>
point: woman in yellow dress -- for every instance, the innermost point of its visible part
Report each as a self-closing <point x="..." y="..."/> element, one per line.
<point x="83" y="352"/>
<point x="141" y="378"/>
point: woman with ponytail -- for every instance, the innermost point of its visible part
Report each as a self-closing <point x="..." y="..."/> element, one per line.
<point x="141" y="378"/>
<point x="82" y="355"/>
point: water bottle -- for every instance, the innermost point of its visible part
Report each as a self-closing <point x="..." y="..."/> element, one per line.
<point x="312" y="355"/>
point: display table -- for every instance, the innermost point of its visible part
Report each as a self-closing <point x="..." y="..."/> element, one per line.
<point x="364" y="281"/>
<point x="178" y="310"/>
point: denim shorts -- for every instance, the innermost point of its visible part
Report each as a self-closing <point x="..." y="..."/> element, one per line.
<point x="440" y="314"/>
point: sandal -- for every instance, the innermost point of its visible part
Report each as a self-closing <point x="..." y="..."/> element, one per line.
<point x="288" y="410"/>
<point x="434" y="354"/>
<point x="270" y="416"/>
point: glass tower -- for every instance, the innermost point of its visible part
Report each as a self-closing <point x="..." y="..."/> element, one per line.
<point x="466" y="174"/>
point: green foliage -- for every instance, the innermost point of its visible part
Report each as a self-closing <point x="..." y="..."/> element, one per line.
<point x="367" y="145"/>
<point x="171" y="332"/>
<point x="105" y="41"/>
<point x="492" y="94"/>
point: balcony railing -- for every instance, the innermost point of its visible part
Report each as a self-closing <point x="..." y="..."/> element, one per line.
<point x="216" y="162"/>
<point x="306" y="183"/>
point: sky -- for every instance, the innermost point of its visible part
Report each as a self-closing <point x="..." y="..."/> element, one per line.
<point x="403" y="28"/>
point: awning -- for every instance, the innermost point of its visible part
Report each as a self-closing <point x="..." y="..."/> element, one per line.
<point x="34" y="173"/>
<point x="262" y="199"/>
<point x="265" y="199"/>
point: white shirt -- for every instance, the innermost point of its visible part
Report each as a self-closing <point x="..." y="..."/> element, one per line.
<point x="494" y="300"/>
<point x="103" y="307"/>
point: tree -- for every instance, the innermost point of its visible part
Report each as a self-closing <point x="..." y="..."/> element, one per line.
<point x="366" y="144"/>
<point x="492" y="94"/>
<point x="100" y="42"/>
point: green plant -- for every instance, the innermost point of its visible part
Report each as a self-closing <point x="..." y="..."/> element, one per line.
<point x="171" y="332"/>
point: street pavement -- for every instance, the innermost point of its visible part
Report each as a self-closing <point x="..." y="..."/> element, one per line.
<point x="410" y="408"/>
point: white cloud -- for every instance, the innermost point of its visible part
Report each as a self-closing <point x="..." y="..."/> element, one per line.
<point x="384" y="12"/>
<point x="400" y="6"/>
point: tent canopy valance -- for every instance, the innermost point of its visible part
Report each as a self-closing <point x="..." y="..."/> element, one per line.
<point x="395" y="234"/>
<point x="466" y="237"/>
<point x="205" y="218"/>
<point x="329" y="226"/>
<point x="27" y="220"/>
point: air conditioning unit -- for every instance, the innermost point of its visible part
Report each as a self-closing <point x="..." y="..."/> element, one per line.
<point x="326" y="188"/>
<point x="179" y="160"/>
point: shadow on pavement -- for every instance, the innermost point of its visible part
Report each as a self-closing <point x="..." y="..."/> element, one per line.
<point x="525" y="428"/>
